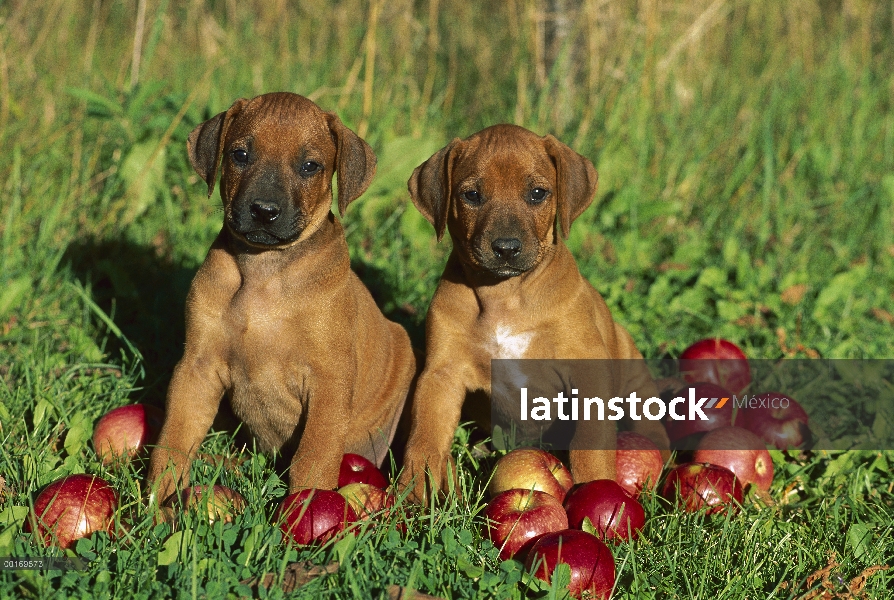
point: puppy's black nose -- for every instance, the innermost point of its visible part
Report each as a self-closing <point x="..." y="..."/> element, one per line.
<point x="265" y="212"/>
<point x="506" y="248"/>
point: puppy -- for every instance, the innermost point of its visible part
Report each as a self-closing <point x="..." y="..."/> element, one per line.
<point x="275" y="318"/>
<point x="511" y="289"/>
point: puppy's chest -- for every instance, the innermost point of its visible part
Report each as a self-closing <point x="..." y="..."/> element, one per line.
<point x="268" y="377"/>
<point x="261" y="328"/>
<point x="529" y="337"/>
<point x="504" y="340"/>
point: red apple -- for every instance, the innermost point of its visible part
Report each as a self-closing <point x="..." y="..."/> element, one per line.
<point x="777" y="419"/>
<point x="592" y="564"/>
<point x="71" y="508"/>
<point x="614" y="513"/>
<point x="222" y="503"/>
<point x="357" y="469"/>
<point x="716" y="361"/>
<point x="697" y="486"/>
<point x="531" y="469"/>
<point x="515" y="519"/>
<point x="741" y="452"/>
<point x="677" y="430"/>
<point x="123" y="432"/>
<point x="638" y="463"/>
<point x="366" y="499"/>
<point x="314" y="515"/>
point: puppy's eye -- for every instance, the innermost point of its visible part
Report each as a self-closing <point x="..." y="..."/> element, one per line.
<point x="472" y="197"/>
<point x="538" y="195"/>
<point x="240" y="156"/>
<point x="309" y="168"/>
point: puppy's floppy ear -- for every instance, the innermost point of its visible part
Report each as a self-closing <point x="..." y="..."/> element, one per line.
<point x="430" y="187"/>
<point x="576" y="182"/>
<point x="355" y="162"/>
<point x="205" y="143"/>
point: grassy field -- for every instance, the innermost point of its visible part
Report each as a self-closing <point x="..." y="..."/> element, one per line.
<point x="746" y="160"/>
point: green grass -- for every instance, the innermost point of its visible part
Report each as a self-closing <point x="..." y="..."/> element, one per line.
<point x="746" y="159"/>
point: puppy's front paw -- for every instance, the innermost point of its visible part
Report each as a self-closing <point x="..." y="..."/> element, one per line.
<point x="588" y="465"/>
<point x="160" y="490"/>
<point x="313" y="469"/>
<point x="425" y="474"/>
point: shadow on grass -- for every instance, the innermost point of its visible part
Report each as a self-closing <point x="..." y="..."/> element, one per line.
<point x="145" y="295"/>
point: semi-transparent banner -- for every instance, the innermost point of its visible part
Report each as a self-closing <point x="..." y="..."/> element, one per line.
<point x="829" y="404"/>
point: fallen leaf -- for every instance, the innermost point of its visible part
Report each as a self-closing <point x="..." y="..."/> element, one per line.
<point x="219" y="460"/>
<point x="296" y="575"/>
<point x="750" y="321"/>
<point x="789" y="351"/>
<point x="822" y="573"/>
<point x="859" y="582"/>
<point x="883" y="316"/>
<point x="762" y="498"/>
<point x="794" y="294"/>
<point x="481" y="450"/>
<point x="396" y="592"/>
<point x="673" y="266"/>
<point x="824" y="585"/>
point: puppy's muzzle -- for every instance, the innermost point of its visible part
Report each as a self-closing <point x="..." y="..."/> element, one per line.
<point x="266" y="221"/>
<point x="507" y="256"/>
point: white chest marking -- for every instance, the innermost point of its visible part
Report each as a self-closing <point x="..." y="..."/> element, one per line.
<point x="506" y="344"/>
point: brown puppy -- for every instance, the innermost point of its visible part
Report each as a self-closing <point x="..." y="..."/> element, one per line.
<point x="511" y="289"/>
<point x="275" y="317"/>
